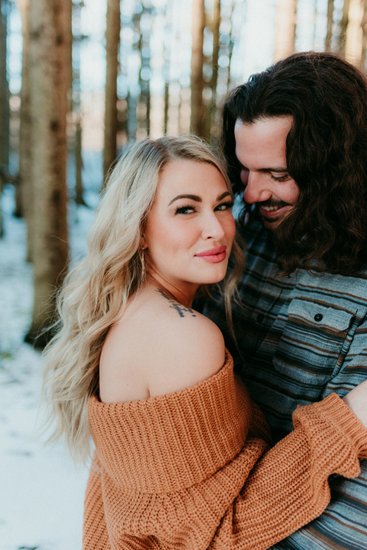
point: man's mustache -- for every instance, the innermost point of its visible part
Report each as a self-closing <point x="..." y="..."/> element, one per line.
<point x="272" y="203"/>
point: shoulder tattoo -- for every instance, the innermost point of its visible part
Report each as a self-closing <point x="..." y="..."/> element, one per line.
<point x="174" y="304"/>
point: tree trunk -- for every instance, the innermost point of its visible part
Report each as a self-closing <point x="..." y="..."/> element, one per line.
<point x="4" y="102"/>
<point x="110" y="117"/>
<point x="78" y="150"/>
<point x="2" y="230"/>
<point x="329" y="25"/>
<point x="343" y="26"/>
<point x="49" y="79"/>
<point x="167" y="46"/>
<point x="76" y="103"/>
<point x="315" y="17"/>
<point x="132" y="126"/>
<point x="230" y="51"/>
<point x="214" y="78"/>
<point x="144" y="102"/>
<point x="286" y="22"/>
<point x="166" y="107"/>
<point x="364" y="38"/>
<point x="197" y="122"/>
<point x="4" y="87"/>
<point x="25" y="141"/>
<point x="354" y="36"/>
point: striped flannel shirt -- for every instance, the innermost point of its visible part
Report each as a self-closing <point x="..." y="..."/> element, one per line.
<point x="300" y="338"/>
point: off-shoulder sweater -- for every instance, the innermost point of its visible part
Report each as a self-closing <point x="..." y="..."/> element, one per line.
<point x="188" y="470"/>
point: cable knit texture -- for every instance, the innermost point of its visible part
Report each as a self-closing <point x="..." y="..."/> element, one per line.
<point x="189" y="470"/>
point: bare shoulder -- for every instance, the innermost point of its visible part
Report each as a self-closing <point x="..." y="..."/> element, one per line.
<point x="189" y="349"/>
<point x="158" y="347"/>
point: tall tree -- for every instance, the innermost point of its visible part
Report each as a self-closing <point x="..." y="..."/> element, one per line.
<point x="76" y="100"/>
<point x="230" y="46"/>
<point x="25" y="158"/>
<point x="4" y="103"/>
<point x="112" y="61"/>
<point x="4" y="87"/>
<point x="197" y="121"/>
<point x="354" y="35"/>
<point x="214" y="66"/>
<point x="364" y="37"/>
<point x="144" y="28"/>
<point x="343" y="26"/>
<point x="167" y="45"/>
<point x="286" y="23"/>
<point x="49" y="81"/>
<point x="315" y="17"/>
<point x="132" y="125"/>
<point x="329" y="25"/>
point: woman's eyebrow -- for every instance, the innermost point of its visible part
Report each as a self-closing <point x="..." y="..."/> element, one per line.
<point x="197" y="198"/>
<point x="192" y="197"/>
<point x="225" y="194"/>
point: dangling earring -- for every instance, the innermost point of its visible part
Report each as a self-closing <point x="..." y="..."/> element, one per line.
<point x="142" y="263"/>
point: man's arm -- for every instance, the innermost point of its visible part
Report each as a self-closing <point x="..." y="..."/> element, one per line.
<point x="344" y="523"/>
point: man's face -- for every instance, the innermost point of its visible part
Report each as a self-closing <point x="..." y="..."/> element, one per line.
<point x="261" y="150"/>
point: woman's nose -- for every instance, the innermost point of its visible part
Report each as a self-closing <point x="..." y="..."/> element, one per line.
<point x="212" y="227"/>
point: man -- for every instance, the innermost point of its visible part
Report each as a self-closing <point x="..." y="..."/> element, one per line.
<point x="295" y="139"/>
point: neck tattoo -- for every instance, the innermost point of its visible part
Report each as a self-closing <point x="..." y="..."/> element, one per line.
<point x="174" y="304"/>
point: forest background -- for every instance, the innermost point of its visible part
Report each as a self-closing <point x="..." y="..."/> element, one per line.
<point x="80" y="79"/>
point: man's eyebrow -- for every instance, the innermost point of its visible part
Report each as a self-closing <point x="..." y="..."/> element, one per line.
<point x="197" y="198"/>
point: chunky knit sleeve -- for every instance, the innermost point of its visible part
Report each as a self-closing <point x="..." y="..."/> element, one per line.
<point x="190" y="470"/>
<point x="288" y="486"/>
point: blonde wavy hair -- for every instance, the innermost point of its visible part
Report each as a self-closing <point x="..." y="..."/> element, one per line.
<point x="95" y="292"/>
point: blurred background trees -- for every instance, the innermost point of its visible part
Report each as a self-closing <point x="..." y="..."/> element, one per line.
<point x="79" y="79"/>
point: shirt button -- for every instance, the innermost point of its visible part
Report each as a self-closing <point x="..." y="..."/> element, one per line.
<point x="318" y="317"/>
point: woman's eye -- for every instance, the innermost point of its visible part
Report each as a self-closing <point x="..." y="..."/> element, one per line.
<point x="225" y="206"/>
<point x="185" y="210"/>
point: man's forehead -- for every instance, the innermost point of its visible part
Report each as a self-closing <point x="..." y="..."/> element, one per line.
<point x="262" y="143"/>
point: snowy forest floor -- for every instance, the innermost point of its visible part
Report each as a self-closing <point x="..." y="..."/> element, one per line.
<point x="42" y="492"/>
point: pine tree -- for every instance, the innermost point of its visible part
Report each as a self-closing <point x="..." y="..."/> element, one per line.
<point x="110" y="118"/>
<point x="49" y="72"/>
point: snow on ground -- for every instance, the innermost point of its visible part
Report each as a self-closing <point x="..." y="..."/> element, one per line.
<point x="42" y="492"/>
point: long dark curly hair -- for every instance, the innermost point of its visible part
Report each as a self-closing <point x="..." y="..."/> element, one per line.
<point x="326" y="156"/>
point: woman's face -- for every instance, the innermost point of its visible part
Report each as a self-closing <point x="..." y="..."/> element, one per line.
<point x="190" y="227"/>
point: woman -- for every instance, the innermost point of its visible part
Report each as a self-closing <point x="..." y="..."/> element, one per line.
<point x="180" y="458"/>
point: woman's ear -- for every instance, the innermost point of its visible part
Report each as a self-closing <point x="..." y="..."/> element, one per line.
<point x="143" y="243"/>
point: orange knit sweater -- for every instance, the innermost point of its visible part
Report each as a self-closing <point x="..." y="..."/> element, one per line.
<point x="187" y="470"/>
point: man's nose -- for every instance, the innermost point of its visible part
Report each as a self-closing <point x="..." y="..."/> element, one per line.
<point x="257" y="188"/>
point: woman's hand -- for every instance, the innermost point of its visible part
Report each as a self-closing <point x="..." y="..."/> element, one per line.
<point x="356" y="400"/>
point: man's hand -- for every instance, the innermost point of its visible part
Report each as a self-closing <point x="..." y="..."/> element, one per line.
<point x="356" y="400"/>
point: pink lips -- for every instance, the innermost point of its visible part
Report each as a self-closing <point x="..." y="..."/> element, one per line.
<point x="214" y="255"/>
